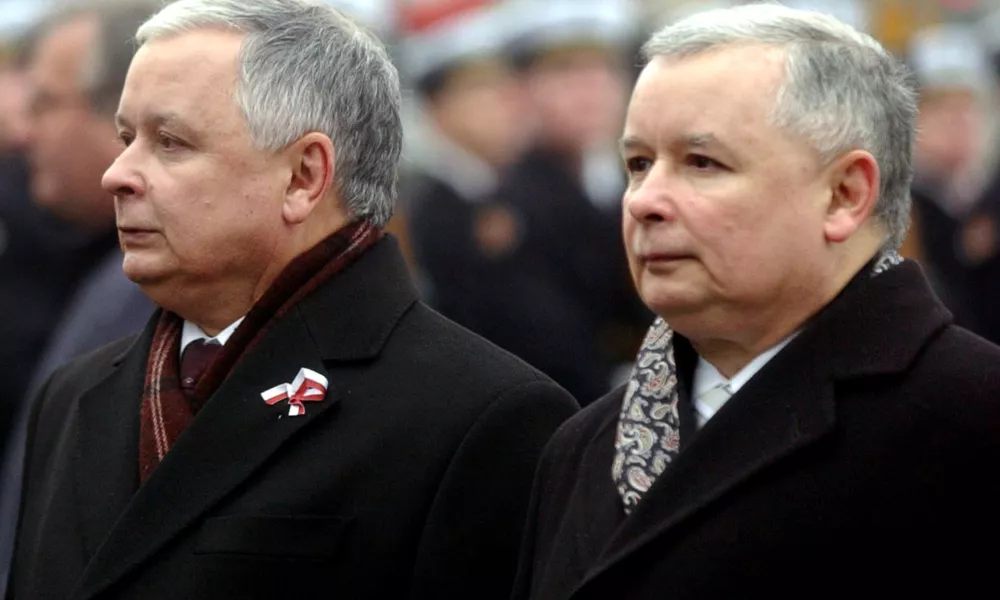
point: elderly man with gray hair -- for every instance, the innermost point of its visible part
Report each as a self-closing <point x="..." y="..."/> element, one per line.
<point x="803" y="419"/>
<point x="292" y="421"/>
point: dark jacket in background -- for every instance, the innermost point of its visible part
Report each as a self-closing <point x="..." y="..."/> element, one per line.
<point x="41" y="262"/>
<point x="458" y="274"/>
<point x="567" y="305"/>
<point x="984" y="272"/>
<point x="940" y="242"/>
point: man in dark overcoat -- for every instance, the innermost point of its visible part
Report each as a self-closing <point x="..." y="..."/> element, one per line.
<point x="803" y="419"/>
<point x="292" y="421"/>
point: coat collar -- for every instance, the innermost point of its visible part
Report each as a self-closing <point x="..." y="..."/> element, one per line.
<point x="878" y="325"/>
<point x="348" y="318"/>
<point x="352" y="316"/>
<point x="875" y="326"/>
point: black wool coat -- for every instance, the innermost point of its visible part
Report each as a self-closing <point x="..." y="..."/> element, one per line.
<point x="410" y="480"/>
<point x="859" y="462"/>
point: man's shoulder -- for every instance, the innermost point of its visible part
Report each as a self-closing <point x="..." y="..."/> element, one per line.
<point x="950" y="394"/>
<point x="89" y="368"/>
<point x="960" y="365"/>
<point x="594" y="425"/>
<point x="448" y="346"/>
<point x="445" y="360"/>
<point x="958" y="352"/>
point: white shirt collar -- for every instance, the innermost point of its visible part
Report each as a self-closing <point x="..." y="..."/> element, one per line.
<point x="707" y="378"/>
<point x="192" y="333"/>
<point x="470" y="176"/>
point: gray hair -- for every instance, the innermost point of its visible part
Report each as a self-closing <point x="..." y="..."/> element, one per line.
<point x="842" y="90"/>
<point x="305" y="67"/>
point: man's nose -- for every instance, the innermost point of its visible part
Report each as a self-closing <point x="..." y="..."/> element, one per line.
<point x="652" y="198"/>
<point x="122" y="179"/>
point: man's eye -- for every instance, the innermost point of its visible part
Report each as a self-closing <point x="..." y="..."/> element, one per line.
<point x="703" y="163"/>
<point x="125" y="139"/>
<point x="168" y="142"/>
<point x="638" y="164"/>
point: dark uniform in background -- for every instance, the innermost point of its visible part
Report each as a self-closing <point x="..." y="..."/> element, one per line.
<point x="468" y="125"/>
<point x="568" y="307"/>
<point x="947" y="235"/>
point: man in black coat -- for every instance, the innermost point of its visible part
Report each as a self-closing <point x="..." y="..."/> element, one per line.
<point x="804" y="420"/>
<point x="292" y="419"/>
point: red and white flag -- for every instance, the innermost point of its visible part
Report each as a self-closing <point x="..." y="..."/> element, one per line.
<point x="308" y="386"/>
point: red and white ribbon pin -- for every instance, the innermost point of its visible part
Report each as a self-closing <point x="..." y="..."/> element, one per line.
<point x="308" y="386"/>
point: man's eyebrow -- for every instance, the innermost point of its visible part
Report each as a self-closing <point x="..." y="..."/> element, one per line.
<point x="169" y="118"/>
<point x="701" y="140"/>
<point x="630" y="142"/>
<point x="122" y="122"/>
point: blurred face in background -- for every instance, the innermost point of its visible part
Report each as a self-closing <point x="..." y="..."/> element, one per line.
<point x="13" y="109"/>
<point x="479" y="107"/>
<point x="578" y="95"/>
<point x="950" y="125"/>
<point x="69" y="145"/>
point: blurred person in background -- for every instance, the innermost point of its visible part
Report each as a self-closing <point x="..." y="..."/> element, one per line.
<point x="41" y="257"/>
<point x="292" y="421"/>
<point x="953" y="78"/>
<point x="471" y="126"/>
<point x="981" y="233"/>
<point x="565" y="305"/>
<point x="76" y="68"/>
<point x="76" y="71"/>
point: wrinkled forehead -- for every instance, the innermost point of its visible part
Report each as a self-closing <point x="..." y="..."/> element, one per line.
<point x="757" y="68"/>
<point x="728" y="92"/>
<point x="191" y="75"/>
<point x="199" y="55"/>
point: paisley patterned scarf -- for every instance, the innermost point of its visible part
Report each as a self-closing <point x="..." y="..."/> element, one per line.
<point x="648" y="437"/>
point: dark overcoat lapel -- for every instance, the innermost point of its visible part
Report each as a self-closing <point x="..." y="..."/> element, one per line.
<point x="346" y="320"/>
<point x="107" y="458"/>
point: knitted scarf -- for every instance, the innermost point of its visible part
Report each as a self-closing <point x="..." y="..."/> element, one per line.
<point x="166" y="411"/>
<point x="648" y="435"/>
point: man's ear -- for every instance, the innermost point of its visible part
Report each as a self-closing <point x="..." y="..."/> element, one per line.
<point x="854" y="184"/>
<point x="311" y="158"/>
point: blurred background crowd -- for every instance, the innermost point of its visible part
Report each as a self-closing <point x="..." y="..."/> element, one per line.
<point x="510" y="189"/>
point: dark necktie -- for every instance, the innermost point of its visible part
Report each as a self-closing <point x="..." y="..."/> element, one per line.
<point x="195" y="360"/>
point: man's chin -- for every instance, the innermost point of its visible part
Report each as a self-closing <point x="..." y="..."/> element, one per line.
<point x="672" y="302"/>
<point x="143" y="272"/>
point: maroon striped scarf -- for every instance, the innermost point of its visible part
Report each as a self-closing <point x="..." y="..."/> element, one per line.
<point x="166" y="410"/>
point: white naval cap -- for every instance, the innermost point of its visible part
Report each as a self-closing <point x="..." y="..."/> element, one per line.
<point x="377" y="15"/>
<point x="438" y="34"/>
<point x="542" y="25"/>
<point x="948" y="55"/>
